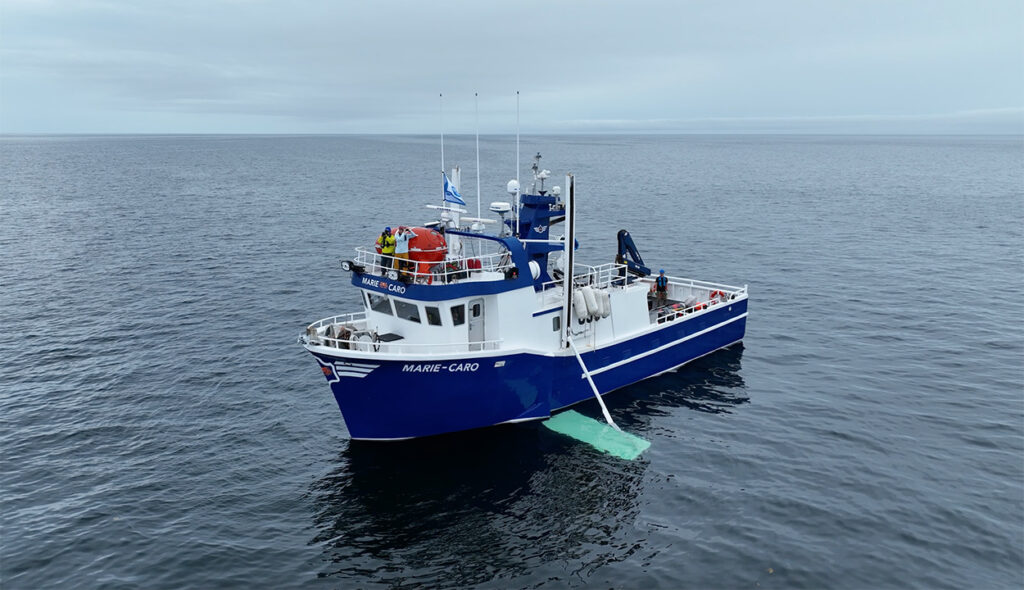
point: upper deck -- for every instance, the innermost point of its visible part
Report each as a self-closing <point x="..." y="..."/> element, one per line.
<point x="477" y="264"/>
<point x="474" y="267"/>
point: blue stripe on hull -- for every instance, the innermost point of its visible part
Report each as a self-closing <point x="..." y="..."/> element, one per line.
<point x="388" y="399"/>
<point x="576" y="389"/>
<point x="405" y="399"/>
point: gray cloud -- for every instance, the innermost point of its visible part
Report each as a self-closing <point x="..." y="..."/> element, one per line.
<point x="234" y="66"/>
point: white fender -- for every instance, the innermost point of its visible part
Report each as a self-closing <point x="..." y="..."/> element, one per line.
<point x="591" y="299"/>
<point x="534" y="269"/>
<point x="579" y="304"/>
<point x="606" y="303"/>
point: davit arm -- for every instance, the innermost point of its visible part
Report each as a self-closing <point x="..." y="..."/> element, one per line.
<point x="634" y="262"/>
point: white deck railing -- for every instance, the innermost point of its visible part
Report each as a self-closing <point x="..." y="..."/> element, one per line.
<point x="410" y="349"/>
<point x="700" y="291"/>
<point x="599" y="277"/>
<point x="348" y="318"/>
<point x="363" y="340"/>
<point x="695" y="285"/>
<point x="448" y="271"/>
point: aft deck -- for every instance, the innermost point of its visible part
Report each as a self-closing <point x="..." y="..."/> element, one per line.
<point x="688" y="296"/>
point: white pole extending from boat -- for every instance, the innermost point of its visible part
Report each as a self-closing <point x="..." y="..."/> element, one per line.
<point x="518" y="189"/>
<point x="567" y="285"/>
<point x="476" y="97"/>
<point x="570" y="231"/>
<point x="597" y="394"/>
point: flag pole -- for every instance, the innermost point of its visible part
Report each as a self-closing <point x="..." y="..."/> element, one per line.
<point x="476" y="100"/>
<point x="440" y="111"/>
<point x="518" y="189"/>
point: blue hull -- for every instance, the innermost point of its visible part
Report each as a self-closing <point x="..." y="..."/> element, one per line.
<point x="397" y="399"/>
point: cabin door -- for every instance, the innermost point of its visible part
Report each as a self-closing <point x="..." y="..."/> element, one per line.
<point x="476" y="322"/>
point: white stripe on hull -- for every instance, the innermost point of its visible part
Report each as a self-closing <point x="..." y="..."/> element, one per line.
<point x="665" y="346"/>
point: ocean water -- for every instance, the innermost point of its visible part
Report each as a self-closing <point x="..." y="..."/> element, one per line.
<point x="162" y="429"/>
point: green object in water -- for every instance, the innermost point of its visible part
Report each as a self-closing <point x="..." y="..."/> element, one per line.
<point x="599" y="435"/>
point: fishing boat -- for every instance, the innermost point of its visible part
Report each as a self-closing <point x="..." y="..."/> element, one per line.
<point x="494" y="321"/>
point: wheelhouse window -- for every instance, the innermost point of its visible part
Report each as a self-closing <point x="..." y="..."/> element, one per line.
<point x="433" y="315"/>
<point x="407" y="311"/>
<point x="379" y="303"/>
<point x="458" y="314"/>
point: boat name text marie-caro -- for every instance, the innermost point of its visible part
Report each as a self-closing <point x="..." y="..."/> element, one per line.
<point x="438" y="367"/>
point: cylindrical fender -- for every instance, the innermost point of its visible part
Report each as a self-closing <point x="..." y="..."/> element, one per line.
<point x="579" y="305"/>
<point x="606" y="303"/>
<point x="591" y="299"/>
<point x="534" y="269"/>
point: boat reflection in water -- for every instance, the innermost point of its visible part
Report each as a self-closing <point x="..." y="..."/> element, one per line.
<point x="510" y="506"/>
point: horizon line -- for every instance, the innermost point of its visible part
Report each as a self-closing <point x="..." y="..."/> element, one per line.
<point x="544" y="133"/>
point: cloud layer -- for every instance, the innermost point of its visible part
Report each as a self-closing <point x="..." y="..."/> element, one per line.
<point x="378" y="67"/>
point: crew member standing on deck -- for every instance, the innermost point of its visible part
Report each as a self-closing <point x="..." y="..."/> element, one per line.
<point x="386" y="243"/>
<point x="402" y="247"/>
<point x="661" y="287"/>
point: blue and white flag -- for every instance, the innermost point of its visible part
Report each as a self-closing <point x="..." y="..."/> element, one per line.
<point x="451" y="195"/>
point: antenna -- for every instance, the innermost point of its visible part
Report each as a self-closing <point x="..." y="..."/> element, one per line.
<point x="476" y="100"/>
<point x="517" y="164"/>
<point x="440" y="111"/>
<point x="538" y="174"/>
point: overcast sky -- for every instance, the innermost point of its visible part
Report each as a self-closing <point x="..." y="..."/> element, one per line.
<point x="237" y="66"/>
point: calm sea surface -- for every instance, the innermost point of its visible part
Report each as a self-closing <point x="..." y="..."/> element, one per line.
<point x="160" y="427"/>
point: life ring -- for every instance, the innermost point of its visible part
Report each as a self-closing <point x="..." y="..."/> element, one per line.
<point x="714" y="294"/>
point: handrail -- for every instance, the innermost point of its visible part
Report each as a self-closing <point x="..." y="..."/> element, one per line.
<point x="447" y="271"/>
<point x="693" y="283"/>
<point x="599" y="277"/>
<point x="351" y="318"/>
<point x="371" y="345"/>
<point x="668" y="314"/>
<point x="366" y="340"/>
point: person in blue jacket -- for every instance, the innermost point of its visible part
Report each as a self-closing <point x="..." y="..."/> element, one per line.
<point x="661" y="287"/>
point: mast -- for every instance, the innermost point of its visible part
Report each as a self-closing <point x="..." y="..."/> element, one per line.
<point x="476" y="100"/>
<point x="440" y="111"/>
<point x="518" y="184"/>
<point x="570" y="242"/>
